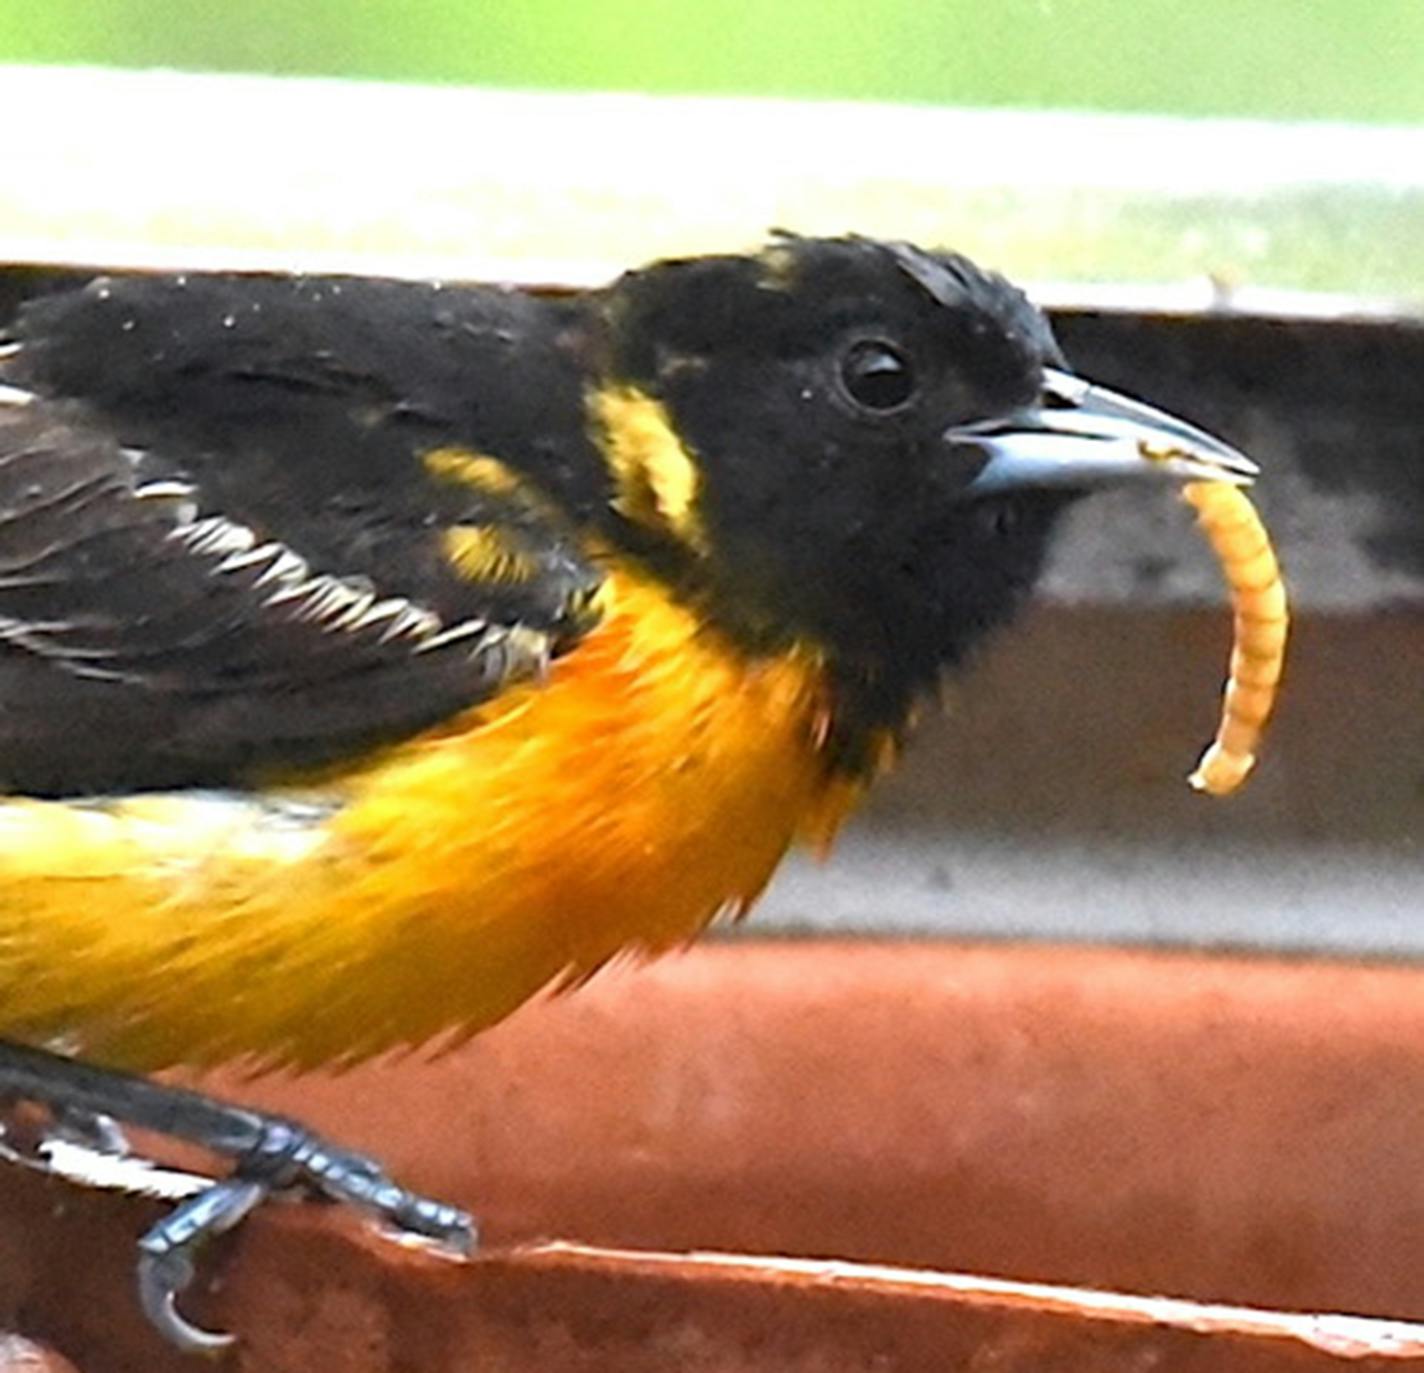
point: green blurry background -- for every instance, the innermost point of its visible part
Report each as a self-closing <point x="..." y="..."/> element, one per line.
<point x="1339" y="59"/>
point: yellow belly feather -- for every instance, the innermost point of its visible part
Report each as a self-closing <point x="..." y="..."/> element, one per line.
<point x="653" y="782"/>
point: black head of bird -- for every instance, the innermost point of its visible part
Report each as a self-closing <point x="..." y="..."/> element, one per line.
<point x="861" y="444"/>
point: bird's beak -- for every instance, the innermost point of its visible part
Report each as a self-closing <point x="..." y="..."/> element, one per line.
<point x="1080" y="436"/>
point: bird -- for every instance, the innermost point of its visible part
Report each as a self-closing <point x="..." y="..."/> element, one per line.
<point x="375" y="654"/>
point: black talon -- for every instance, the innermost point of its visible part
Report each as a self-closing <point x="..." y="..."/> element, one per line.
<point x="167" y="1252"/>
<point x="159" y="1282"/>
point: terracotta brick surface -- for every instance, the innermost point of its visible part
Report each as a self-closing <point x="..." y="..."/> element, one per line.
<point x="1231" y="1131"/>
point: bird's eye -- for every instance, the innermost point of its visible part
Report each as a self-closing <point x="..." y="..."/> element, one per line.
<point x="877" y="375"/>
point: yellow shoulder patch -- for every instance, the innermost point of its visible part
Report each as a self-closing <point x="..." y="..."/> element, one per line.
<point x="463" y="467"/>
<point x="484" y="553"/>
<point x="656" y="476"/>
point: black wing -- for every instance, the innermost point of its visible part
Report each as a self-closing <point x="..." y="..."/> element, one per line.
<point x="226" y="553"/>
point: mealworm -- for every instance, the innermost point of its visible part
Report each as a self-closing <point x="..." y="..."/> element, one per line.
<point x="1260" y="622"/>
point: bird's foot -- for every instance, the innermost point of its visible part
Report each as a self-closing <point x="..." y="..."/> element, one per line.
<point x="286" y="1157"/>
<point x="269" y="1153"/>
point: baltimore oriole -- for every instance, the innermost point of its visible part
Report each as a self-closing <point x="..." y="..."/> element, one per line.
<point x="374" y="654"/>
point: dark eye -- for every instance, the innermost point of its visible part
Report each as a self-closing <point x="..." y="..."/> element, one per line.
<point x="877" y="375"/>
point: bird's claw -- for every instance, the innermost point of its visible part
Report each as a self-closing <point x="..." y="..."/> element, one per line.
<point x="290" y="1156"/>
<point x="285" y="1157"/>
<point x="166" y="1254"/>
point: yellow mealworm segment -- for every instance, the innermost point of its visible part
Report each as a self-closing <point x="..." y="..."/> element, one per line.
<point x="1261" y="620"/>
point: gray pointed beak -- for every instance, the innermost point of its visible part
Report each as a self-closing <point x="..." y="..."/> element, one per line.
<point x="1080" y="436"/>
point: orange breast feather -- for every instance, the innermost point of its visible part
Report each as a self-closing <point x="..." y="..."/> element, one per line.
<point x="653" y="782"/>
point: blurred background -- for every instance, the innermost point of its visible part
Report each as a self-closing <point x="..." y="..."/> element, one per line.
<point x="1331" y="59"/>
<point x="1173" y="192"/>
